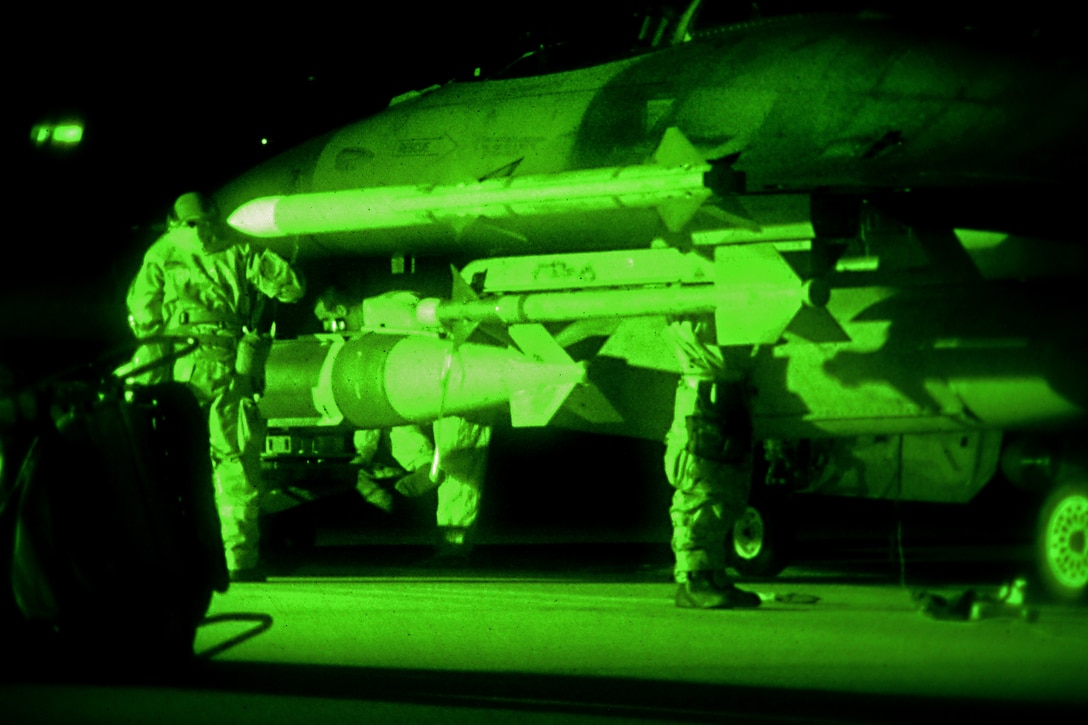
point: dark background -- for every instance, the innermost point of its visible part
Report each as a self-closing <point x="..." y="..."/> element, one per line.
<point x="184" y="98"/>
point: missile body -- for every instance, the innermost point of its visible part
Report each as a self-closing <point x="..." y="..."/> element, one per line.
<point x="571" y="192"/>
<point x="565" y="306"/>
<point x="750" y="288"/>
<point x="375" y="380"/>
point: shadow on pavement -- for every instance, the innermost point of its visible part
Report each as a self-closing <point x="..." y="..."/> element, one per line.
<point x="237" y="692"/>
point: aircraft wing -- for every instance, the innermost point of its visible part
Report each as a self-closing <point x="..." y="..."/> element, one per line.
<point x="785" y="177"/>
<point x="702" y="135"/>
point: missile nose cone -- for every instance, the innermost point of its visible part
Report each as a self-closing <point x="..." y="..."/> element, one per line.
<point x="256" y="218"/>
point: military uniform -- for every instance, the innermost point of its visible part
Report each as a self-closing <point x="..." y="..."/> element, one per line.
<point x="186" y="291"/>
<point x="707" y="457"/>
<point x="459" y="477"/>
<point x="462" y="458"/>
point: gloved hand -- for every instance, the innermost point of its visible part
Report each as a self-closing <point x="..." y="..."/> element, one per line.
<point x="419" y="482"/>
<point x="146" y="363"/>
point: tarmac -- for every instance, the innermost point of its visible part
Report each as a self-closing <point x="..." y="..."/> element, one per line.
<point x="589" y="633"/>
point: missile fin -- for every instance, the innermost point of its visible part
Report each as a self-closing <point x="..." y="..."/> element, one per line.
<point x="754" y="326"/>
<point x="588" y="402"/>
<point x="536" y="408"/>
<point x="641" y="342"/>
<point x="538" y="343"/>
<point x="462" y="292"/>
<point x="676" y="150"/>
<point x="761" y="294"/>
<point x="584" y="400"/>
<point x="816" y="324"/>
<point x="497" y="332"/>
<point x="462" y="331"/>
<point x="676" y="213"/>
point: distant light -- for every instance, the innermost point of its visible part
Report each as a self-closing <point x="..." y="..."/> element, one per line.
<point x="65" y="135"/>
<point x="68" y="133"/>
<point x="40" y="134"/>
<point x="264" y="142"/>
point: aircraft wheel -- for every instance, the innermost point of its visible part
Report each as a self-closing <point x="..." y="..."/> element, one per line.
<point x="1061" y="547"/>
<point x="761" y="537"/>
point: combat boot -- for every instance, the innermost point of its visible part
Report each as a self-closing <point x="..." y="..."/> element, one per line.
<point x="701" y="591"/>
<point x="452" y="549"/>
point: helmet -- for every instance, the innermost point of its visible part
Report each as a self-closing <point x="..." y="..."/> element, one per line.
<point x="193" y="207"/>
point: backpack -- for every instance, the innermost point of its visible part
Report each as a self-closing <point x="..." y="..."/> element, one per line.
<point x="109" y="534"/>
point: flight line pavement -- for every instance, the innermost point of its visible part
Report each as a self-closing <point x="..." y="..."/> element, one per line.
<point x="603" y="645"/>
<point x="852" y="638"/>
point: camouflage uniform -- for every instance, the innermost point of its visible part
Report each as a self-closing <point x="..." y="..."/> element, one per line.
<point x="181" y="291"/>
<point x="462" y="464"/>
<point x="707" y="450"/>
<point x="462" y="459"/>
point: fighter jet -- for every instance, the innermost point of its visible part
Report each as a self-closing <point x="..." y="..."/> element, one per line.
<point x="878" y="216"/>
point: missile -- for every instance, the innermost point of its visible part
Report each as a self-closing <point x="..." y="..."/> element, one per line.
<point x="751" y="290"/>
<point x="769" y="311"/>
<point x="375" y="380"/>
<point x="676" y="192"/>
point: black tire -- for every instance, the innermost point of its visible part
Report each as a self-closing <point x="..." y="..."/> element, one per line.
<point x="1061" y="550"/>
<point x="762" y="537"/>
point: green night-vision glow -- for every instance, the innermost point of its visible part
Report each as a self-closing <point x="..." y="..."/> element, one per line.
<point x="67" y="134"/>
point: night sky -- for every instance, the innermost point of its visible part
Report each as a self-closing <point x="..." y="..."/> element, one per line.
<point x="175" y="105"/>
<point x="170" y="107"/>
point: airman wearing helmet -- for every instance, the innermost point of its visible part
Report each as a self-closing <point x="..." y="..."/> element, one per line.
<point x="194" y="284"/>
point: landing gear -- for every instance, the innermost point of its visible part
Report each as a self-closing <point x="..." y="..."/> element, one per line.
<point x="762" y="536"/>
<point x="1061" y="551"/>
